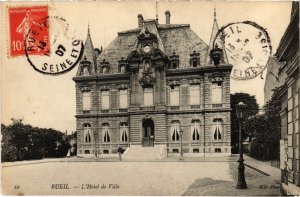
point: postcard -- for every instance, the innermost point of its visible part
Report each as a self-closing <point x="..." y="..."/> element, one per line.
<point x="134" y="98"/>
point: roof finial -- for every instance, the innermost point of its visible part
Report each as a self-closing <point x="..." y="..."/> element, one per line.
<point x="88" y="27"/>
<point x="156" y="4"/>
<point x="215" y="13"/>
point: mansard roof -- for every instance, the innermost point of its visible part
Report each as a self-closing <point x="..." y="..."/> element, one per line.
<point x="178" y="38"/>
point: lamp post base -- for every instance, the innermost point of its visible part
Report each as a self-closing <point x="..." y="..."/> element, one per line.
<point x="241" y="184"/>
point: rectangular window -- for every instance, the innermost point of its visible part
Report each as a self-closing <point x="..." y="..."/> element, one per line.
<point x="216" y="93"/>
<point x="174" y="95"/>
<point x="148" y="96"/>
<point x="195" y="94"/>
<point x="86" y="100"/>
<point x="123" y="99"/>
<point x="105" y="99"/>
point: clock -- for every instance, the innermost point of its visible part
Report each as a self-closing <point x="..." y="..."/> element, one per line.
<point x="147" y="49"/>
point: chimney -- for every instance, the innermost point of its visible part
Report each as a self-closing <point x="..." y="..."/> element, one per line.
<point x="140" y="21"/>
<point x="168" y="17"/>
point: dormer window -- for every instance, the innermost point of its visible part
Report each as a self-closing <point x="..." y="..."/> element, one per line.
<point x="104" y="67"/>
<point x="123" y="65"/>
<point x="195" y="59"/>
<point x="85" y="69"/>
<point x="174" y="59"/>
<point x="147" y="66"/>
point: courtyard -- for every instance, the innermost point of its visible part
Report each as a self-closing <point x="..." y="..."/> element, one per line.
<point x="87" y="177"/>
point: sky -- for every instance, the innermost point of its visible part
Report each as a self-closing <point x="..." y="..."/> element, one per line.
<point x="49" y="101"/>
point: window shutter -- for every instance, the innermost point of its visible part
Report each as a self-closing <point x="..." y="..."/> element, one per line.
<point x="123" y="99"/>
<point x="174" y="96"/>
<point x="105" y="99"/>
<point x="216" y="93"/>
<point x="86" y="100"/>
<point x="148" y="96"/>
<point x="195" y="94"/>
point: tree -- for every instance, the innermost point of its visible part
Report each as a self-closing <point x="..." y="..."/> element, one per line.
<point x="19" y="136"/>
<point x="265" y="129"/>
<point x="250" y="110"/>
<point x="22" y="141"/>
<point x="8" y="150"/>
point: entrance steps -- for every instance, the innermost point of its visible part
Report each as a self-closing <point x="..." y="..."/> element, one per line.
<point x="139" y="153"/>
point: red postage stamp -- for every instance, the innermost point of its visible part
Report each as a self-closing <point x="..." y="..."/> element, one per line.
<point x="21" y="20"/>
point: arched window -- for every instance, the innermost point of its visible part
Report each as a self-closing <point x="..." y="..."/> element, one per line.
<point x="123" y="69"/>
<point x="147" y="65"/>
<point x="124" y="132"/>
<point x="217" y="129"/>
<point x="87" y="133"/>
<point x="86" y="71"/>
<point x="105" y="132"/>
<point x="104" y="70"/>
<point x="175" y="127"/>
<point x="195" y="130"/>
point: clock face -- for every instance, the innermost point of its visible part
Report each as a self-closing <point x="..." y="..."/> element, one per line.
<point x="147" y="49"/>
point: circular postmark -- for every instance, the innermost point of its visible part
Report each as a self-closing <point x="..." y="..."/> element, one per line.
<point x="56" y="54"/>
<point x="247" y="46"/>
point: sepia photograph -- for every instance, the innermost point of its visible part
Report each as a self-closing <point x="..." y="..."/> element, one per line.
<point x="150" y="98"/>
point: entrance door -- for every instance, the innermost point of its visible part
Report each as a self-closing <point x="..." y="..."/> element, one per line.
<point x="148" y="133"/>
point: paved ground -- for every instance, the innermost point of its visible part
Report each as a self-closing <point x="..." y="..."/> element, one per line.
<point x="170" y="177"/>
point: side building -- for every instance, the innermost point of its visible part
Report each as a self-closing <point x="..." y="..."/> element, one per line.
<point x="148" y="85"/>
<point x="288" y="95"/>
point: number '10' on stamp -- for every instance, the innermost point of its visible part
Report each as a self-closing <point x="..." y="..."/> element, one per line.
<point x="21" y="19"/>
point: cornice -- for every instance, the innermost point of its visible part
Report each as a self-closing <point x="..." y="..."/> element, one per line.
<point x="106" y="77"/>
<point x="198" y="70"/>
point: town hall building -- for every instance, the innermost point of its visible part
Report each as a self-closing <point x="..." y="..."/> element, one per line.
<point x="154" y="86"/>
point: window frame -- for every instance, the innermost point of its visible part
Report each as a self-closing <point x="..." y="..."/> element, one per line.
<point x="195" y="128"/>
<point x="124" y="128"/>
<point x="175" y="93"/>
<point x="175" y="128"/>
<point x="105" y="133"/>
<point x="218" y="124"/>
<point x="195" y="88"/>
<point x="87" y="129"/>
<point x="125" y="99"/>
<point x="145" y="91"/>
<point x="86" y="101"/>
<point x="107" y="95"/>
<point x="217" y="86"/>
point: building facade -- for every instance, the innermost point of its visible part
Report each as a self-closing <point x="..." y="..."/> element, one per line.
<point x="288" y="94"/>
<point x="147" y="85"/>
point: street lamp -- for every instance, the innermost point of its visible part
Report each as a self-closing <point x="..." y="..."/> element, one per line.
<point x="241" y="184"/>
<point x="96" y="153"/>
<point x="181" y="151"/>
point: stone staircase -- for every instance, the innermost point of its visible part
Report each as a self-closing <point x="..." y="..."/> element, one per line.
<point x="139" y="153"/>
